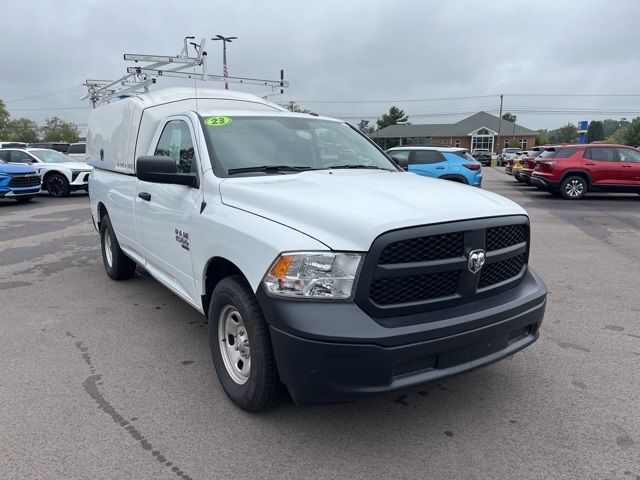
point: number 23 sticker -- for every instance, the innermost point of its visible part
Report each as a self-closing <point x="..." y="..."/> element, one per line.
<point x="217" y="121"/>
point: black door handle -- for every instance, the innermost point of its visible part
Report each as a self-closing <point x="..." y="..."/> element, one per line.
<point x="439" y="168"/>
<point x="145" y="196"/>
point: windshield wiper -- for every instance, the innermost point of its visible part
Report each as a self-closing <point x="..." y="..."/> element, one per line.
<point x="267" y="169"/>
<point x="374" y="167"/>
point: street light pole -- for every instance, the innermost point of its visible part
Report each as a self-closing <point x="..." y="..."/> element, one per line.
<point x="225" y="72"/>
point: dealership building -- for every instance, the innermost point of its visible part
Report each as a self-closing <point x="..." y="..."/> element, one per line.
<point x="481" y="130"/>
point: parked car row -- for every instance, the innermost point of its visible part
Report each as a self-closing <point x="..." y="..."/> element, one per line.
<point x="77" y="151"/>
<point x="57" y="173"/>
<point x="447" y="163"/>
<point x="572" y="171"/>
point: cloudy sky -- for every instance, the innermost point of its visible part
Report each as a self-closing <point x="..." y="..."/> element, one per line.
<point x="554" y="61"/>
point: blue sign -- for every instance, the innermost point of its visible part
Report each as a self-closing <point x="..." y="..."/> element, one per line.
<point x="582" y="131"/>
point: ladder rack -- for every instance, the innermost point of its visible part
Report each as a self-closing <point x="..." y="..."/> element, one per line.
<point x="140" y="77"/>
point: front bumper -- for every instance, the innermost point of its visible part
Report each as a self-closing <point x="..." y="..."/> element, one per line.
<point x="333" y="351"/>
<point x="79" y="180"/>
<point x="19" y="192"/>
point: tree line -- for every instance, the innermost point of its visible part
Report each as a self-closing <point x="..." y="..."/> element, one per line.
<point x="28" y="131"/>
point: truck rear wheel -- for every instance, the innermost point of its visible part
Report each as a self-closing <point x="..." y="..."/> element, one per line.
<point x="116" y="263"/>
<point x="241" y="346"/>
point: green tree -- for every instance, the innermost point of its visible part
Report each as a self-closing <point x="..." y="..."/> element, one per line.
<point x="56" y="129"/>
<point x="542" y="137"/>
<point x="364" y="127"/>
<point x="513" y="143"/>
<point x="567" y="133"/>
<point x="294" y="107"/>
<point x="629" y="134"/>
<point x="22" y="130"/>
<point x="4" y="119"/>
<point x="394" y="117"/>
<point x="509" y="117"/>
<point x="595" y="131"/>
<point x="609" y="126"/>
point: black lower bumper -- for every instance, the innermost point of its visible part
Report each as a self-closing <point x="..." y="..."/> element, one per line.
<point x="544" y="183"/>
<point x="333" y="352"/>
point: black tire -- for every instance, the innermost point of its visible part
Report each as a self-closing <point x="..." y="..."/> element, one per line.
<point x="261" y="388"/>
<point x="57" y="185"/>
<point x="573" y="187"/>
<point x="24" y="199"/>
<point x="118" y="266"/>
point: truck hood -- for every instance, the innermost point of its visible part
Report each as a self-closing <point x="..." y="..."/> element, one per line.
<point x="16" y="168"/>
<point x="348" y="209"/>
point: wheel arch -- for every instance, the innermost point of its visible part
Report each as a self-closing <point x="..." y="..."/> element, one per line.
<point x="217" y="269"/>
<point x="102" y="211"/>
<point x="577" y="173"/>
<point x="48" y="173"/>
<point x="454" y="177"/>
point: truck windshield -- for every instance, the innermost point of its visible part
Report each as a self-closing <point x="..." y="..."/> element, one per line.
<point x="262" y="145"/>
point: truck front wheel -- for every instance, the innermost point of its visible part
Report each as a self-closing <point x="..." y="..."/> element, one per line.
<point x="241" y="346"/>
<point x="117" y="265"/>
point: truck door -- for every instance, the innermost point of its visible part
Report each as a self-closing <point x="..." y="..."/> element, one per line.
<point x="163" y="212"/>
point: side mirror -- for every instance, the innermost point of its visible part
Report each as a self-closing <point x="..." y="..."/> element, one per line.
<point x="161" y="169"/>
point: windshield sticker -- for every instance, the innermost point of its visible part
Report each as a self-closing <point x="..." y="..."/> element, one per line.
<point x="217" y="121"/>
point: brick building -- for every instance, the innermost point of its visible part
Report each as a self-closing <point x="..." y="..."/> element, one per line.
<point x="477" y="131"/>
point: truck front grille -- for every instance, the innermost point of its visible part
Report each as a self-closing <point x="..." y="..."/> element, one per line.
<point x="426" y="268"/>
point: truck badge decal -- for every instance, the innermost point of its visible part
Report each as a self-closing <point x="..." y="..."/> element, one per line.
<point x="217" y="121"/>
<point x="182" y="238"/>
<point x="476" y="260"/>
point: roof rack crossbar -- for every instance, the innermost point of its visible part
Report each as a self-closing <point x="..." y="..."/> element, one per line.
<point x="140" y="77"/>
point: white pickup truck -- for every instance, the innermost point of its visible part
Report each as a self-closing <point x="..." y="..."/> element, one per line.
<point x="320" y="265"/>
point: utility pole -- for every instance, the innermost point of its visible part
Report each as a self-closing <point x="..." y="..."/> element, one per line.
<point x="225" y="72"/>
<point x="500" y="121"/>
<point x="514" y="126"/>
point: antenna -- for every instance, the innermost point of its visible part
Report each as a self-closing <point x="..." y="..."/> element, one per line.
<point x="140" y="77"/>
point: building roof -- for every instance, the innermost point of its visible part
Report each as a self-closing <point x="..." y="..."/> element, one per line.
<point x="459" y="129"/>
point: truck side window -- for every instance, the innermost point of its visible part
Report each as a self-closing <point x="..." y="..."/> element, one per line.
<point x="175" y="142"/>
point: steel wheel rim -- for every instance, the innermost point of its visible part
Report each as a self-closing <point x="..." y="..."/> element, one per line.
<point x="108" y="251"/>
<point x="233" y="340"/>
<point x="55" y="185"/>
<point x="574" y="188"/>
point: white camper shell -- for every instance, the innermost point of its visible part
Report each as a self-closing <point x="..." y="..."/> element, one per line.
<point x="121" y="131"/>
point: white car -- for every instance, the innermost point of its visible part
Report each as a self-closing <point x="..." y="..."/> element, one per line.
<point x="60" y="174"/>
<point x="77" y="151"/>
<point x="320" y="264"/>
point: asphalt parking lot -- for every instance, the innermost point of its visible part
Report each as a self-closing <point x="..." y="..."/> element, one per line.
<point x="104" y="379"/>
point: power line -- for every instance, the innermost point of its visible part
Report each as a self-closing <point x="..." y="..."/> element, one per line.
<point x="49" y="108"/>
<point x="47" y="94"/>
<point x="394" y="101"/>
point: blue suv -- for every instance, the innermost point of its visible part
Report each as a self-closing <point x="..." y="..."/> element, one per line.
<point x="448" y="163"/>
<point x="20" y="182"/>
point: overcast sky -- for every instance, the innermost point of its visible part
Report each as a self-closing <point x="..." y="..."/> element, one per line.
<point x="374" y="52"/>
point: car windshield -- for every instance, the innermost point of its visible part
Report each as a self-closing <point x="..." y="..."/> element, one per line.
<point x="51" y="156"/>
<point x="269" y="145"/>
<point x="535" y="153"/>
<point x="511" y="150"/>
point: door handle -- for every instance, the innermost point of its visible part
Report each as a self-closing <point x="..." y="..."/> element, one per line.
<point x="439" y="168"/>
<point x="145" y="196"/>
<point x="626" y="166"/>
<point x="589" y="163"/>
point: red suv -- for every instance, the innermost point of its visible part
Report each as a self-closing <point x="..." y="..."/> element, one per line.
<point x="573" y="170"/>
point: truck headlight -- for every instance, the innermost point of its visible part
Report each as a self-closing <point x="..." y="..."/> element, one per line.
<point x="313" y="275"/>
